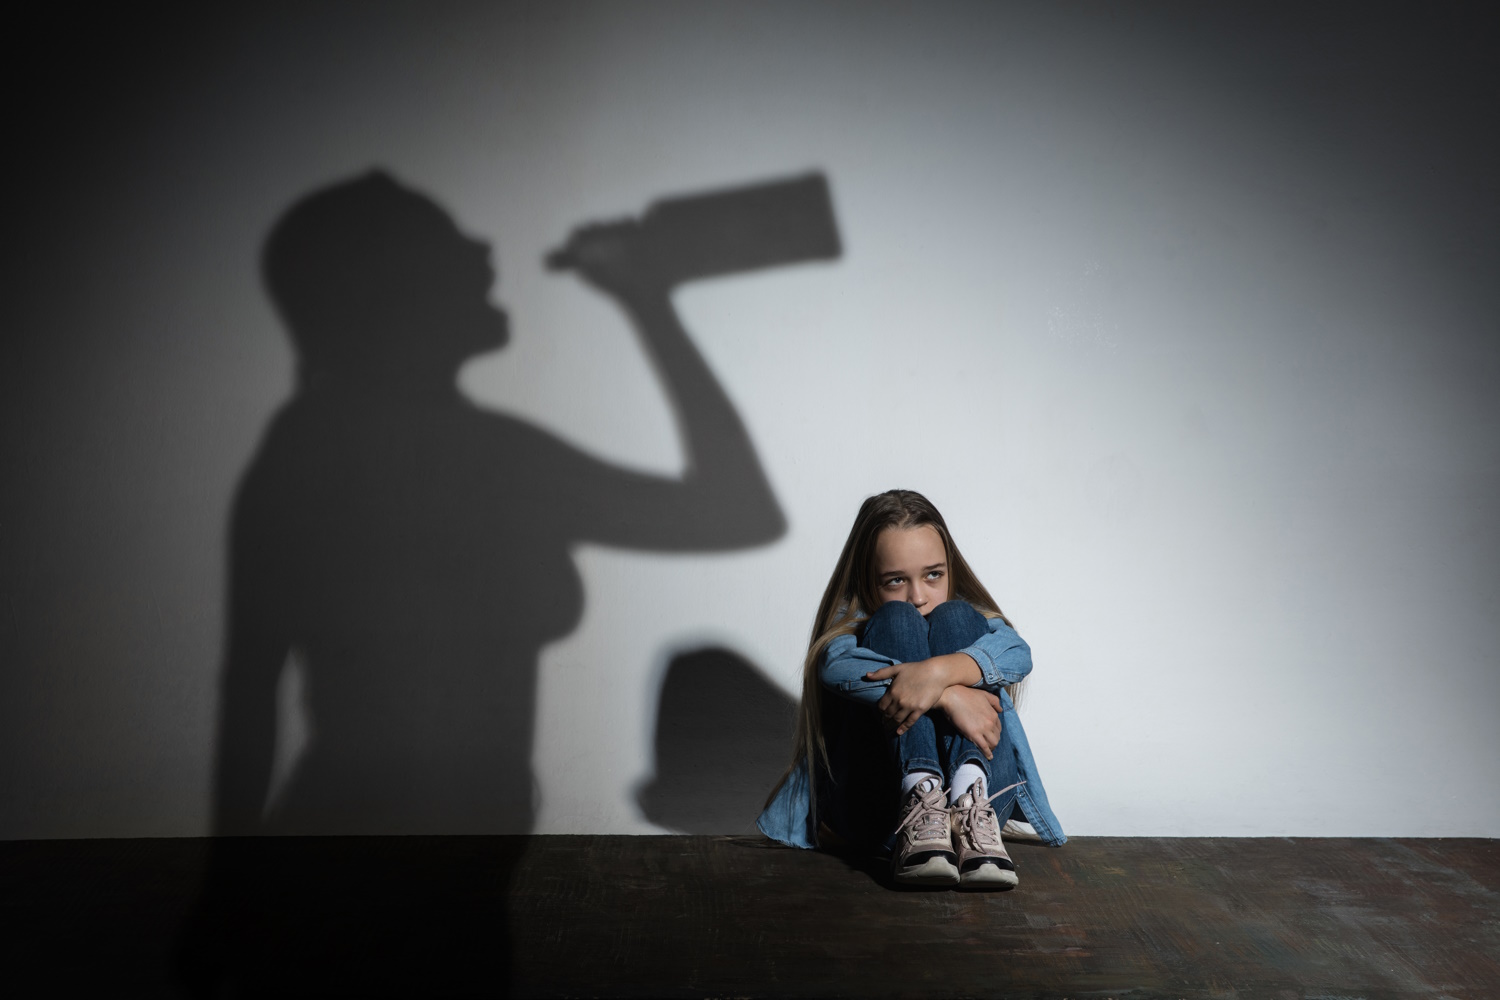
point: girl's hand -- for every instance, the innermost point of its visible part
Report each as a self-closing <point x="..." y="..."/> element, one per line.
<point x="915" y="689"/>
<point x="975" y="713"/>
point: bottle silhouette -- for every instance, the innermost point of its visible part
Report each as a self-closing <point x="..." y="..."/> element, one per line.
<point x="731" y="231"/>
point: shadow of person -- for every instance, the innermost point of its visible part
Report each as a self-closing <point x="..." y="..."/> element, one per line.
<point x="413" y="551"/>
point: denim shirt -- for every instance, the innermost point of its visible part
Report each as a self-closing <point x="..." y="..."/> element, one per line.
<point x="1003" y="658"/>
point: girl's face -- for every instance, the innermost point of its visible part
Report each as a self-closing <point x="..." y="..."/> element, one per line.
<point x="911" y="565"/>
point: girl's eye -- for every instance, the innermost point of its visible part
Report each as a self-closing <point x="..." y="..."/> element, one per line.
<point x="935" y="574"/>
<point x="894" y="580"/>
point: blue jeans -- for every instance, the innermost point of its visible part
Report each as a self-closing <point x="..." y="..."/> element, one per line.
<point x="859" y="802"/>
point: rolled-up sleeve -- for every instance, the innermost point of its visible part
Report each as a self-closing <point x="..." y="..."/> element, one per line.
<point x="845" y="664"/>
<point x="1002" y="655"/>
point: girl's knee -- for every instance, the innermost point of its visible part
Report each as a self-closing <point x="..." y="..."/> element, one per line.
<point x="955" y="612"/>
<point x="896" y="629"/>
<point x="897" y="611"/>
<point x="954" y="625"/>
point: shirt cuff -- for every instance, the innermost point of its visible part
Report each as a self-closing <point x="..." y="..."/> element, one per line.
<point x="986" y="665"/>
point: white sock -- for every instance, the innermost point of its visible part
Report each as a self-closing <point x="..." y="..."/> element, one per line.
<point x="915" y="778"/>
<point x="963" y="778"/>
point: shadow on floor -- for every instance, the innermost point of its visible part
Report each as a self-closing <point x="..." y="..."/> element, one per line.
<point x="354" y="916"/>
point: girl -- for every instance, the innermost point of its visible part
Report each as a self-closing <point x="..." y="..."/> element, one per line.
<point x="923" y="668"/>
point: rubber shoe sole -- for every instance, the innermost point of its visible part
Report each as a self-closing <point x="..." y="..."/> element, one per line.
<point x="937" y="869"/>
<point x="988" y="877"/>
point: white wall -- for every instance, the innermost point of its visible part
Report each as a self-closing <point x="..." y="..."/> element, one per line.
<point x="1185" y="318"/>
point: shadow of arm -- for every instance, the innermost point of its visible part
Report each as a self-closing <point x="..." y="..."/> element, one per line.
<point x="723" y="499"/>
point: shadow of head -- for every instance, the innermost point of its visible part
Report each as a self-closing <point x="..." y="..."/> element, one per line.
<point x="375" y="281"/>
<point x="723" y="737"/>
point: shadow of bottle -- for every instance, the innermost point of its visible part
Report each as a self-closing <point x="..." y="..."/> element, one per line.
<point x="722" y="737"/>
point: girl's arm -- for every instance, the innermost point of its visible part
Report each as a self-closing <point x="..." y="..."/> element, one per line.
<point x="997" y="658"/>
<point x="845" y="664"/>
<point x="847" y="668"/>
<point x="1002" y="655"/>
<point x="916" y="688"/>
<point x="975" y="713"/>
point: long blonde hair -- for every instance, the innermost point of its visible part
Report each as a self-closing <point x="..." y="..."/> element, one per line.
<point x="851" y="595"/>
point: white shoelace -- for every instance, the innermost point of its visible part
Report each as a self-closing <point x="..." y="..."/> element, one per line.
<point x="928" y="815"/>
<point x="973" y="817"/>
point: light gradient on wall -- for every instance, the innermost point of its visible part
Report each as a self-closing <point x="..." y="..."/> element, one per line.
<point x="1184" y="316"/>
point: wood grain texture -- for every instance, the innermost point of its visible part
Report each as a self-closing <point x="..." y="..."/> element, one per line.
<point x="1119" y="917"/>
<point x="737" y="916"/>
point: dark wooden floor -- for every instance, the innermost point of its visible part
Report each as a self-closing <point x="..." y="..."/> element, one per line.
<point x="734" y="916"/>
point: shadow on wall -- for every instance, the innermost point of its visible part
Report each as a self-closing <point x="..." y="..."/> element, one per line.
<point x="413" y="549"/>
<point x="723" y="739"/>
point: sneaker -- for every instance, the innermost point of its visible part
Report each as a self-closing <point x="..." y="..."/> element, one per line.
<point x="1018" y="829"/>
<point x="982" y="861"/>
<point x="924" y="846"/>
